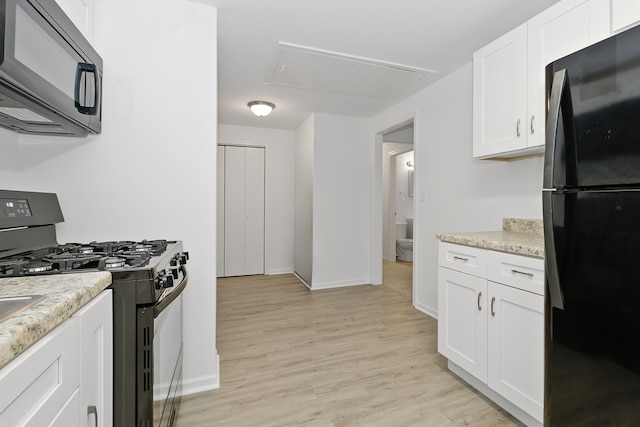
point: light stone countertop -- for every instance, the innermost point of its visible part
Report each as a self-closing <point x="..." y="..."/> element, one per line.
<point x="64" y="294"/>
<point x="518" y="236"/>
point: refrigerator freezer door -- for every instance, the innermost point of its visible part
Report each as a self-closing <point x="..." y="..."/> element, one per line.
<point x="593" y="364"/>
<point x="605" y="99"/>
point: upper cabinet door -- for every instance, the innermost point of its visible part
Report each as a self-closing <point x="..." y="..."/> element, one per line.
<point x="624" y="14"/>
<point x="82" y="14"/>
<point x="499" y="94"/>
<point x="562" y="29"/>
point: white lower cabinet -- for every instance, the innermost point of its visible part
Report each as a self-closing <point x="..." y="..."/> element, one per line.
<point x="493" y="330"/>
<point x="52" y="381"/>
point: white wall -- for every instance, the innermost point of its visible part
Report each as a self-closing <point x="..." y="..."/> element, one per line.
<point x="303" y="201"/>
<point x="279" y="189"/>
<point x="453" y="192"/>
<point x="152" y="172"/>
<point x="9" y="160"/>
<point x="342" y="191"/>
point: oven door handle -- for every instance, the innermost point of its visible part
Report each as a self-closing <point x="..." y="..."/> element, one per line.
<point x="177" y="290"/>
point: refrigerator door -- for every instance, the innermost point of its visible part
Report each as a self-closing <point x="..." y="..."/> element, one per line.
<point x="605" y="98"/>
<point x="593" y="362"/>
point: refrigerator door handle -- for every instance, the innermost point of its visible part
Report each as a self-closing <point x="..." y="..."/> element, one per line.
<point x="550" y="254"/>
<point x="559" y="99"/>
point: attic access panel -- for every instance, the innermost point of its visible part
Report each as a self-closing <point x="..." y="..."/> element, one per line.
<point x="324" y="71"/>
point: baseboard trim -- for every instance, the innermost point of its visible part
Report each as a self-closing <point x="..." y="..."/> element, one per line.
<point x="279" y="271"/>
<point x="341" y="284"/>
<point x="426" y="310"/>
<point x="204" y="383"/>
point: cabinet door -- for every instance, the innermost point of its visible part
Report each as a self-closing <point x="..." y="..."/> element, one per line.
<point x="82" y="14"/>
<point x="37" y="384"/>
<point x="516" y="347"/>
<point x="462" y="321"/>
<point x="499" y="94"/>
<point x="564" y="28"/>
<point x="624" y="14"/>
<point x="96" y="361"/>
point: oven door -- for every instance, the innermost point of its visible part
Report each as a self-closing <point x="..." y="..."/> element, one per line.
<point x="159" y="358"/>
<point x="167" y="363"/>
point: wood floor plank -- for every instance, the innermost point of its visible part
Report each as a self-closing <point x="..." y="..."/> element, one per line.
<point x="360" y="355"/>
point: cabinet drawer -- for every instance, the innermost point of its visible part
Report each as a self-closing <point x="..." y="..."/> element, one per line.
<point x="466" y="259"/>
<point x="519" y="271"/>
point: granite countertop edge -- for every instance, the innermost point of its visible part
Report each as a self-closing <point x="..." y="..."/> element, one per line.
<point x="64" y="295"/>
<point x="503" y="241"/>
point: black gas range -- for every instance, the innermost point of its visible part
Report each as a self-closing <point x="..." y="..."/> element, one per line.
<point x="148" y="277"/>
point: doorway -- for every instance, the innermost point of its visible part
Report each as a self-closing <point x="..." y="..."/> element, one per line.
<point x="398" y="208"/>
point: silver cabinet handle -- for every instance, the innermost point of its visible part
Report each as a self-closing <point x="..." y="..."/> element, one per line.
<point x="532" y="129"/>
<point x="518" y="128"/>
<point x="493" y="300"/>
<point x="93" y="410"/>
<point x="459" y="258"/>
<point x="521" y="272"/>
<point x="479" y="296"/>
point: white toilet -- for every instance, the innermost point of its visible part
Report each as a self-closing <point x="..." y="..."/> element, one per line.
<point x="404" y="246"/>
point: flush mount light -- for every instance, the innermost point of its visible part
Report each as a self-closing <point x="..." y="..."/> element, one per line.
<point x="261" y="108"/>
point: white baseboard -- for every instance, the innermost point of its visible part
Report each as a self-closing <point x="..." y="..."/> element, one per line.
<point x="340" y="284"/>
<point x="427" y="310"/>
<point x="204" y="383"/>
<point x="277" y="271"/>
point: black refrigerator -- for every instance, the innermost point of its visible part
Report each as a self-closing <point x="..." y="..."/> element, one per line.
<point x="591" y="215"/>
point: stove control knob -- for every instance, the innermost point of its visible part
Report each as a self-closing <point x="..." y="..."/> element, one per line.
<point x="168" y="281"/>
<point x="174" y="272"/>
<point x="158" y="283"/>
<point x="164" y="280"/>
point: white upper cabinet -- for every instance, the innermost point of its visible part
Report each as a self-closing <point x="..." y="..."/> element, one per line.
<point x="562" y="29"/>
<point x="82" y="14"/>
<point x="499" y="95"/>
<point x="509" y="76"/>
<point x="624" y="14"/>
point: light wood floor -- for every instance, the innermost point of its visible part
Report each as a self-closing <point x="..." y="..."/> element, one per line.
<point x="339" y="357"/>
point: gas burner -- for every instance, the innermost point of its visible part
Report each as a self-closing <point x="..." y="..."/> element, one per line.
<point x="74" y="261"/>
<point x="37" y="266"/>
<point x="84" y="249"/>
<point x="114" y="262"/>
<point x="141" y="247"/>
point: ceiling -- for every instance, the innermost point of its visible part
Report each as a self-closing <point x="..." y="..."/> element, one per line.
<point x="396" y="45"/>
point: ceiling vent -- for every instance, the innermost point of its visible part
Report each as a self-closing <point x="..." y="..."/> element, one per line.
<point x="324" y="71"/>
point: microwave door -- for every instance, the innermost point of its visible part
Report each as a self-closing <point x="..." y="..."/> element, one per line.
<point x="45" y="72"/>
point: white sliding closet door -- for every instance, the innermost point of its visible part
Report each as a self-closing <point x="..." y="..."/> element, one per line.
<point x="220" y="213"/>
<point x="243" y="211"/>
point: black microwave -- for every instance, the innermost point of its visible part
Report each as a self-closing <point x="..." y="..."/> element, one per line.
<point x="50" y="75"/>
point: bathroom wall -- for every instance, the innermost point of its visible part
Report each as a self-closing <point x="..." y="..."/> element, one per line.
<point x="404" y="201"/>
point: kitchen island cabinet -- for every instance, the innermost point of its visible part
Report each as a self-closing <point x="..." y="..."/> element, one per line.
<point x="491" y="323"/>
<point x="509" y="76"/>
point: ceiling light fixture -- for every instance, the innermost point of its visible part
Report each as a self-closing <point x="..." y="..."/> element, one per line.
<point x="261" y="108"/>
